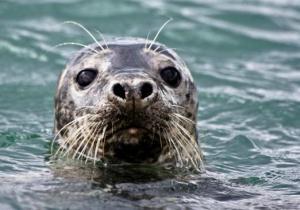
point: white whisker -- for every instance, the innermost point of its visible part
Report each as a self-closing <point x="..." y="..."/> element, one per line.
<point x="100" y="138"/>
<point x="158" y="32"/>
<point x="76" y="44"/>
<point x="64" y="127"/>
<point x="86" y="30"/>
<point x="89" y="154"/>
<point x="147" y="40"/>
<point x="86" y="140"/>
<point x="102" y="37"/>
<point x="159" y="52"/>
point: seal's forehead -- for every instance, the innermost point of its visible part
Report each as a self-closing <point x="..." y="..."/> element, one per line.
<point x="128" y="50"/>
<point x="128" y="56"/>
<point x="159" y="48"/>
<point x="139" y="43"/>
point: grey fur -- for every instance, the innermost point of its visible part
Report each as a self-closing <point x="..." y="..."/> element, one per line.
<point x="126" y="60"/>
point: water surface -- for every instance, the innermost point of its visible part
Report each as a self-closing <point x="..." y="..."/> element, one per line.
<point x="245" y="58"/>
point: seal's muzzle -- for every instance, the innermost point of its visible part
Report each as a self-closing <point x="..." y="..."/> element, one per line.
<point x="133" y="93"/>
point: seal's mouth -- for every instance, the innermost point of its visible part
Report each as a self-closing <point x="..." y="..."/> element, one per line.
<point x="133" y="145"/>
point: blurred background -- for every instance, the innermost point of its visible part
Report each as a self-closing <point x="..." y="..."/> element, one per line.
<point x="245" y="59"/>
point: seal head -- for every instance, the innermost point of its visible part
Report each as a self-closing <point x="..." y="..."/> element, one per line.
<point x="128" y="101"/>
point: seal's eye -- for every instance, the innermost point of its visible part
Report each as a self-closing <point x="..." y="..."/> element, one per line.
<point x="86" y="77"/>
<point x="171" y="76"/>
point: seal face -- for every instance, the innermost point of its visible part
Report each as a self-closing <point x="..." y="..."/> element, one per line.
<point x="128" y="101"/>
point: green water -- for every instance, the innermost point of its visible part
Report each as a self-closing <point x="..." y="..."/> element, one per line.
<point x="245" y="58"/>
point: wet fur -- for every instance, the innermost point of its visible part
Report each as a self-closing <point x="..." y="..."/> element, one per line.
<point x="86" y="121"/>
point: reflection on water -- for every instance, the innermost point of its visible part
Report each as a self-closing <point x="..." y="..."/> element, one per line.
<point x="245" y="59"/>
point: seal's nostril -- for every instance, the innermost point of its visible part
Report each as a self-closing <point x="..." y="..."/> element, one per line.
<point x="119" y="90"/>
<point x="146" y="90"/>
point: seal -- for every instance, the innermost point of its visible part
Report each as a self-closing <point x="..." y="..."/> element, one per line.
<point x="127" y="100"/>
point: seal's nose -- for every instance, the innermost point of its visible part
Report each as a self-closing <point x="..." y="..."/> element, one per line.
<point x="139" y="92"/>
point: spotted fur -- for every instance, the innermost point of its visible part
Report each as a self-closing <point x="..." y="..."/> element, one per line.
<point x="169" y="120"/>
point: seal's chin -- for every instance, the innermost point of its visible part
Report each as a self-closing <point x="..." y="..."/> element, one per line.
<point x="133" y="145"/>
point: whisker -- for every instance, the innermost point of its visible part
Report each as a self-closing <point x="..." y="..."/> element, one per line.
<point x="178" y="154"/>
<point x="86" y="140"/>
<point x="97" y="145"/>
<point x="102" y="37"/>
<point x="177" y="49"/>
<point x="186" y="144"/>
<point x="158" y="32"/>
<point x="156" y="48"/>
<point x="183" y="118"/>
<point x="147" y="40"/>
<point x="71" y="140"/>
<point x="186" y="151"/>
<point x="76" y="44"/>
<point x="64" y="148"/>
<point x="92" y="145"/>
<point x="64" y="127"/>
<point x="86" y="30"/>
<point x="91" y="136"/>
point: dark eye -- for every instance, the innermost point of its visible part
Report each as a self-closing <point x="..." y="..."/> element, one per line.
<point x="86" y="77"/>
<point x="171" y="76"/>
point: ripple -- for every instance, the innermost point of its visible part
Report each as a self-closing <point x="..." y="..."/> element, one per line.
<point x="286" y="37"/>
<point x="275" y="94"/>
<point x="22" y="52"/>
<point x="245" y="61"/>
<point x="260" y="10"/>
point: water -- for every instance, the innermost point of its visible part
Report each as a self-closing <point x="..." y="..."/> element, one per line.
<point x="245" y="58"/>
